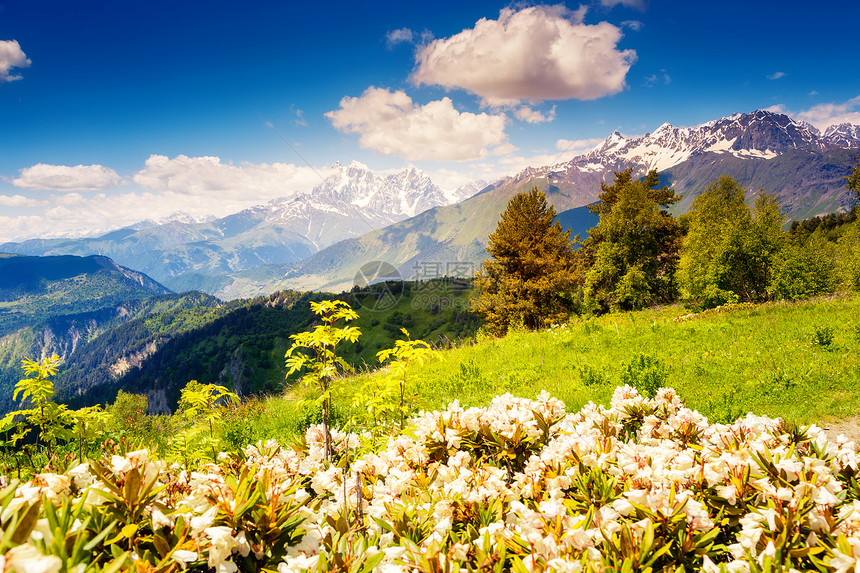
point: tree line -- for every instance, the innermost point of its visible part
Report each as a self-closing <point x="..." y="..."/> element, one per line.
<point x="722" y="251"/>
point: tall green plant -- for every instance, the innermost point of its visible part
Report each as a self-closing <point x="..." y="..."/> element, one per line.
<point x="730" y="249"/>
<point x="529" y="277"/>
<point x="204" y="406"/>
<point x="404" y="353"/>
<point x="51" y="419"/>
<point x="315" y="352"/>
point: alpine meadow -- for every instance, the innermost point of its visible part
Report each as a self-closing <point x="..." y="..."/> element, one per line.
<point x="399" y="288"/>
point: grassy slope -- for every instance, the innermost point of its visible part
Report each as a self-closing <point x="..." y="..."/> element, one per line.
<point x="760" y="359"/>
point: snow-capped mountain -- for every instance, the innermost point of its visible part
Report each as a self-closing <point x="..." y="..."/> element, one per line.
<point x="757" y="135"/>
<point x="180" y="217"/>
<point x="843" y="135"/>
<point x="351" y="201"/>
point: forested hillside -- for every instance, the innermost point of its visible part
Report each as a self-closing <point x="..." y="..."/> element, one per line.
<point x="38" y="288"/>
<point x="242" y="345"/>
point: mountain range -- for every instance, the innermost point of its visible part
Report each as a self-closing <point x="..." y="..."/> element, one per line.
<point x="350" y="202"/>
<point x="321" y="240"/>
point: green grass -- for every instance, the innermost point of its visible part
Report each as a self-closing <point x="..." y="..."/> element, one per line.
<point x="771" y="359"/>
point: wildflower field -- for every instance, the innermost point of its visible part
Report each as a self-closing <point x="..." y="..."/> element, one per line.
<point x="569" y="449"/>
<point x="521" y="485"/>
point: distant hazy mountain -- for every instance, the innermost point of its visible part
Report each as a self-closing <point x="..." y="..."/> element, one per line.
<point x="761" y="150"/>
<point x="183" y="252"/>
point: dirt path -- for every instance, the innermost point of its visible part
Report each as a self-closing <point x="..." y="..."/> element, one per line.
<point x="850" y="427"/>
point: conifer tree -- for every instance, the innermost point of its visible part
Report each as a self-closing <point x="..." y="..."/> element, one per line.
<point x="530" y="276"/>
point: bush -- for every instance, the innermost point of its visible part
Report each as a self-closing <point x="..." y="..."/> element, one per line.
<point x="802" y="271"/>
<point x="822" y="336"/>
<point x="645" y="373"/>
<point x="848" y="258"/>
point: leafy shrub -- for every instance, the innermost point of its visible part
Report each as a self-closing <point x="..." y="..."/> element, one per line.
<point x="848" y="257"/>
<point x="802" y="271"/>
<point x="467" y="378"/>
<point x="643" y="485"/>
<point x="822" y="336"/>
<point x="645" y="373"/>
<point x="591" y="376"/>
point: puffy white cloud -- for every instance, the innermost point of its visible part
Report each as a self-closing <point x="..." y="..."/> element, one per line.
<point x="45" y="177"/>
<point x="537" y="53"/>
<point x="826" y="114"/>
<point x="20" y="201"/>
<point x="208" y="176"/>
<point x="11" y="56"/>
<point x="93" y="214"/>
<point x="392" y="124"/>
<point x="634" y="25"/>
<point x="776" y="75"/>
<point x="530" y="115"/>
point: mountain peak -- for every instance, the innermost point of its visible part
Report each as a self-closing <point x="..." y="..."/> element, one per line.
<point x="358" y="165"/>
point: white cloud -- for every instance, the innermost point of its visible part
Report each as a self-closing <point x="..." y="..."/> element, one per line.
<point x="65" y="178"/>
<point x="538" y="53"/>
<point x="777" y="108"/>
<point x="634" y="25"/>
<point x="826" y="114"/>
<point x="207" y="176"/>
<point x="654" y="79"/>
<point x="20" y="201"/>
<point x="776" y="75"/>
<point x="525" y="113"/>
<point x="11" y="56"/>
<point x="398" y="36"/>
<point x="200" y="186"/>
<point x="391" y="124"/>
<point x="638" y="4"/>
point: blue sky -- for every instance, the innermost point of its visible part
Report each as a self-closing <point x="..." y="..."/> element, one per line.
<point x="111" y="112"/>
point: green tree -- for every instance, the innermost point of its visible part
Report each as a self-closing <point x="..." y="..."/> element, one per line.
<point x="848" y="257"/>
<point x="729" y="251"/>
<point x="315" y="351"/>
<point x="852" y="180"/>
<point x="633" y="251"/>
<point x="804" y="268"/>
<point x="530" y="276"/>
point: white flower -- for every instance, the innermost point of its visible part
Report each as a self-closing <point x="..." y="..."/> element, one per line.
<point x="27" y="559"/>
<point x="184" y="557"/>
<point x="222" y="544"/>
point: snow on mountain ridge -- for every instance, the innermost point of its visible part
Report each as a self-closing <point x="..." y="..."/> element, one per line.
<point x="759" y="134"/>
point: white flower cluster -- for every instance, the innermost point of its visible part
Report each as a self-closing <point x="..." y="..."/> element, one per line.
<point x="643" y="482"/>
